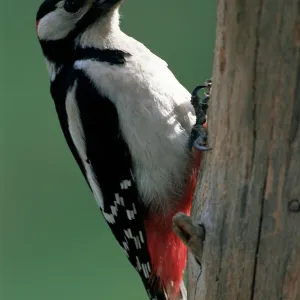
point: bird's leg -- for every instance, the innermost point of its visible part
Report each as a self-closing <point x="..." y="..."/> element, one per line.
<point x="191" y="234"/>
<point x="198" y="137"/>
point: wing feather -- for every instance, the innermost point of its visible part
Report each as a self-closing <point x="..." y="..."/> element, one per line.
<point x="94" y="128"/>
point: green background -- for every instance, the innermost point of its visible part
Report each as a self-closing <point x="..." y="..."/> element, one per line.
<point x="54" y="244"/>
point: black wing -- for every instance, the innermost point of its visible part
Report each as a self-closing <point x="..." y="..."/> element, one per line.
<point x="109" y="157"/>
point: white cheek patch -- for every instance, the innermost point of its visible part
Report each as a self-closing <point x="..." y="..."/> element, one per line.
<point x="55" y="25"/>
<point x="58" y="24"/>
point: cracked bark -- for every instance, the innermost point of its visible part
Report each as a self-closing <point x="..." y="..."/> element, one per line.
<point x="247" y="196"/>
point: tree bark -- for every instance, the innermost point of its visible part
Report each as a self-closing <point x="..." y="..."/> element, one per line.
<point x="248" y="192"/>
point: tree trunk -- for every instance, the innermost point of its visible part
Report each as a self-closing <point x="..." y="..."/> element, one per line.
<point x="248" y="195"/>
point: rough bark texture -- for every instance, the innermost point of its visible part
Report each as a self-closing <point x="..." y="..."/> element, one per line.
<point x="252" y="246"/>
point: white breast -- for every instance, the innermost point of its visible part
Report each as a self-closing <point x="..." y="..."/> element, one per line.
<point x="155" y="118"/>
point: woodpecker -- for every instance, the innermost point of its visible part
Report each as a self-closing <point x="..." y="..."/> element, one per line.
<point x="127" y="121"/>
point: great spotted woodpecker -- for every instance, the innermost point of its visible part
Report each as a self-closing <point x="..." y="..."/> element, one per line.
<point x="127" y="121"/>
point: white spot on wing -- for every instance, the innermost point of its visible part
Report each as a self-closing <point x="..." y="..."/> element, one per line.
<point x="125" y="251"/>
<point x="114" y="210"/>
<point x="134" y="209"/>
<point x="125" y="184"/>
<point x="130" y="233"/>
<point x="126" y="246"/>
<point x="146" y="273"/>
<point x="138" y="264"/>
<point x="138" y="243"/>
<point x="109" y="218"/>
<point x="141" y="236"/>
<point x="149" y="268"/>
<point x="117" y="197"/>
<point x="135" y="242"/>
<point x="129" y="216"/>
<point x="119" y="200"/>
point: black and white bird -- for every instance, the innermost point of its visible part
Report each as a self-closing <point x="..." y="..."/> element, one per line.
<point x="127" y="121"/>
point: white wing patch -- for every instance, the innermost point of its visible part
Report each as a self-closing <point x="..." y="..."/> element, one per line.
<point x="76" y="131"/>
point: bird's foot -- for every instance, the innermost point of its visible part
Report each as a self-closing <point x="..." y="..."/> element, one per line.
<point x="199" y="134"/>
<point x="192" y="235"/>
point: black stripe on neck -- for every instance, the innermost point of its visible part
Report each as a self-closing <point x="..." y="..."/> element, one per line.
<point x="112" y="56"/>
<point x="63" y="52"/>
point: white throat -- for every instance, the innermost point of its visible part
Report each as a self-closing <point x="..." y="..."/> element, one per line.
<point x="100" y="33"/>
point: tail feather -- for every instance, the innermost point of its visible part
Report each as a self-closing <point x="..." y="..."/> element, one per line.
<point x="167" y="252"/>
<point x="181" y="295"/>
<point x="183" y="292"/>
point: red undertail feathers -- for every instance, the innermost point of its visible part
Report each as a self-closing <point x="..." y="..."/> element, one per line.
<point x="167" y="252"/>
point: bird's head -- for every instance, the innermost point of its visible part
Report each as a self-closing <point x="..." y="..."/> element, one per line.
<point x="67" y="19"/>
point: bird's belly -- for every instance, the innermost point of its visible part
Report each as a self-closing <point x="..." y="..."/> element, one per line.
<point x="160" y="164"/>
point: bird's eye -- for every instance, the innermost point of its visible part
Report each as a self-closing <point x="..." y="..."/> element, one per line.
<point x="72" y="6"/>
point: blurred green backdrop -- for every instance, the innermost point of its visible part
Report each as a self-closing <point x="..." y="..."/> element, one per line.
<point x="54" y="243"/>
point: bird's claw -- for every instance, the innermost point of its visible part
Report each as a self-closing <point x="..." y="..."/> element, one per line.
<point x="201" y="147"/>
<point x="198" y="138"/>
<point x="201" y="104"/>
<point x="207" y="85"/>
